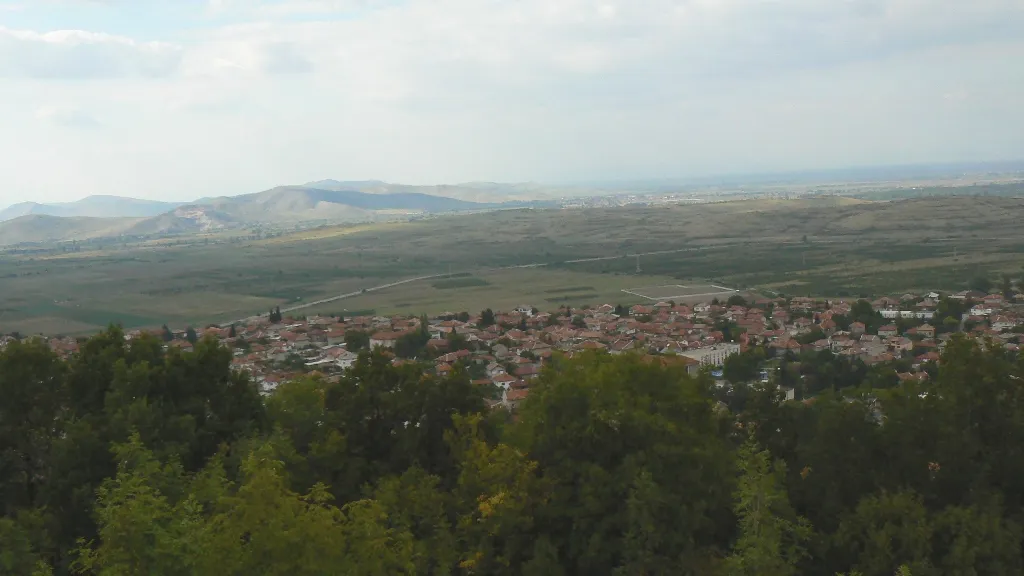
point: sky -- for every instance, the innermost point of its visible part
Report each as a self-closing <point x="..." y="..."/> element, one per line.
<point x="181" y="99"/>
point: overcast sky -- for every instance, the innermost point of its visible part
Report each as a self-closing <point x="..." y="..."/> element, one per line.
<point x="180" y="99"/>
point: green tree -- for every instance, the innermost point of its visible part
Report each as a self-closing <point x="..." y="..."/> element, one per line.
<point x="736" y="300"/>
<point x="190" y="335"/>
<point x="356" y="340"/>
<point x="1006" y="286"/>
<point x="981" y="284"/>
<point x="486" y="318"/>
<point x="886" y="532"/>
<point x="602" y="428"/>
<point x="457" y="341"/>
<point x="772" y="536"/>
<point x="744" y="367"/>
<point x="166" y="334"/>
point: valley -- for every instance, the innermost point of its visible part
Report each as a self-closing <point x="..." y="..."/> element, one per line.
<point x="543" y="257"/>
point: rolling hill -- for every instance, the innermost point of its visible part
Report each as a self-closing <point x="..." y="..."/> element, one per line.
<point x="31" y="222"/>
<point x="91" y="206"/>
<point x="485" y="192"/>
<point x="302" y="203"/>
<point x="41" y="228"/>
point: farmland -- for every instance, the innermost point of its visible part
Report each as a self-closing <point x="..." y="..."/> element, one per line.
<point x="545" y="258"/>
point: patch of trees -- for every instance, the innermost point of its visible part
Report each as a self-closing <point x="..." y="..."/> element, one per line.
<point x="275" y="315"/>
<point x="356" y="340"/>
<point x="129" y="459"/>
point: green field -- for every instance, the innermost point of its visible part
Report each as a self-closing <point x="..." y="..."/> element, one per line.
<point x="830" y="246"/>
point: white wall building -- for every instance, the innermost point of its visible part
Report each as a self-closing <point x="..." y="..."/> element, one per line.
<point x="713" y="355"/>
<point x="922" y="314"/>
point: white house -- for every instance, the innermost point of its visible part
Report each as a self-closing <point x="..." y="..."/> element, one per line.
<point x="713" y="355"/>
<point x="981" y="310"/>
<point x="921" y="314"/>
<point x="346" y="359"/>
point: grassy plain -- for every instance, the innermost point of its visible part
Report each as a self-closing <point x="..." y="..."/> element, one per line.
<point x="829" y="246"/>
<point x="547" y="289"/>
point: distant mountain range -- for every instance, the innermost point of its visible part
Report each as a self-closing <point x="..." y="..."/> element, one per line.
<point x="323" y="201"/>
<point x="92" y="206"/>
<point x="484" y="192"/>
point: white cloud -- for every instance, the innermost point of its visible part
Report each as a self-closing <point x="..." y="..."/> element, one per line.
<point x="77" y="54"/>
<point x="445" y="90"/>
<point x="67" y="116"/>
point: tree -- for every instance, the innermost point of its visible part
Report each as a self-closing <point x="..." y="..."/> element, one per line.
<point x="606" y="429"/>
<point x="457" y="341"/>
<point x="166" y="334"/>
<point x="190" y="335"/>
<point x="275" y="315"/>
<point x="1006" y="286"/>
<point x="981" y="284"/>
<point x="356" y="340"/>
<point x="153" y="520"/>
<point x="772" y="536"/>
<point x="736" y="300"/>
<point x="579" y="322"/>
<point x="885" y="532"/>
<point x="231" y="332"/>
<point x="743" y="367"/>
<point x="486" y="318"/>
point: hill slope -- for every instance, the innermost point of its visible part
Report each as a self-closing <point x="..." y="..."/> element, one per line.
<point x="491" y="192"/>
<point x="295" y="203"/>
<point x="93" y="207"/>
<point x="35" y="228"/>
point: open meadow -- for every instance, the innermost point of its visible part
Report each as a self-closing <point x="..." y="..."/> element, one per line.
<point x="544" y="258"/>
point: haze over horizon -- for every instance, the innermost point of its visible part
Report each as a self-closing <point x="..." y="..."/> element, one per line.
<point x="176" y="101"/>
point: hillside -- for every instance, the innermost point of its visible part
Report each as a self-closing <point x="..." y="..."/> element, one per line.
<point x="36" y="228"/>
<point x="40" y="228"/>
<point x="92" y="206"/>
<point x="299" y="203"/>
<point x="32" y="223"/>
<point x="486" y="192"/>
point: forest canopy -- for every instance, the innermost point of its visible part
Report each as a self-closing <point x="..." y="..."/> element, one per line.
<point x="131" y="459"/>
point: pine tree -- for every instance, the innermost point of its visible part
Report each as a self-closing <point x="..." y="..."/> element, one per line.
<point x="771" y="534"/>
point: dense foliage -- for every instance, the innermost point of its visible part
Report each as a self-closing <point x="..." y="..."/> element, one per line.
<point x="131" y="459"/>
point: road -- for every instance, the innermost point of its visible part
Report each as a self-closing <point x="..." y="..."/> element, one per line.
<point x="338" y="297"/>
<point x="431" y="276"/>
<point x="539" y="265"/>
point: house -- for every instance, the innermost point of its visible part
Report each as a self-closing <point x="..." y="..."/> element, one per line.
<point x="385" y="339"/>
<point x="336" y="336"/>
<point x="926" y="330"/>
<point x="1002" y="323"/>
<point x="524" y="310"/>
<point x="981" y="310"/>
<point x="503" y="380"/>
<point x="713" y="355"/>
<point x="346" y="359"/>
<point x="857" y="328"/>
<point x="510" y="399"/>
<point x="888" y="330"/>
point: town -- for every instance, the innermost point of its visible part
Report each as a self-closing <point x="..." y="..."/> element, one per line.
<point x="739" y="340"/>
